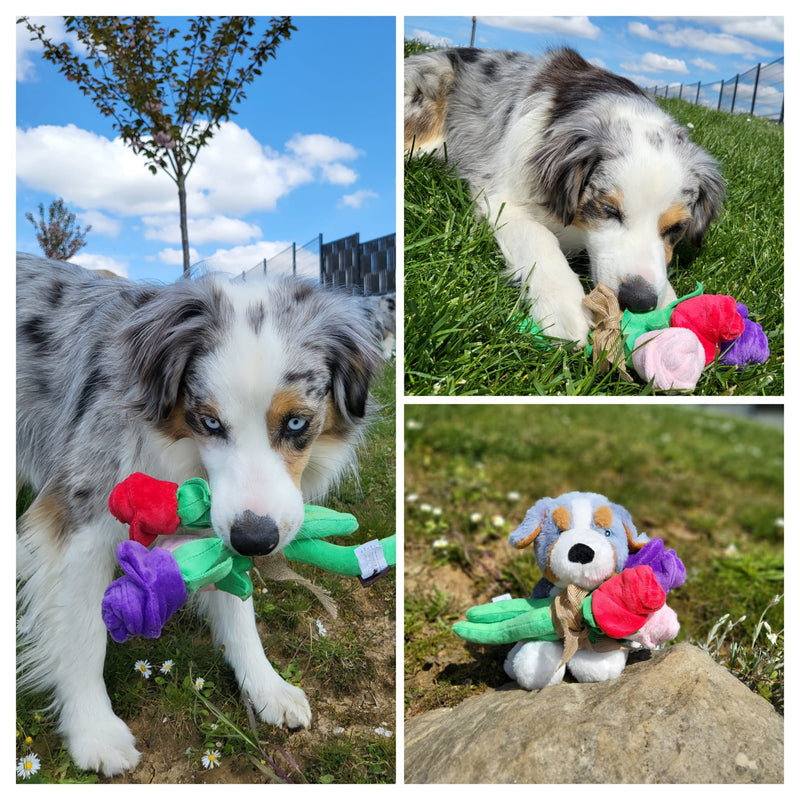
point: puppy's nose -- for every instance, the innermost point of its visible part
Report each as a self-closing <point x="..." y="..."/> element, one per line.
<point x="580" y="554"/>
<point x="637" y="295"/>
<point x="252" y="535"/>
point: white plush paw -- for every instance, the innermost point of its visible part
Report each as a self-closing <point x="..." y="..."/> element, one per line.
<point x="587" y="666"/>
<point x="283" y="705"/>
<point x="534" y="665"/>
<point x="106" y="746"/>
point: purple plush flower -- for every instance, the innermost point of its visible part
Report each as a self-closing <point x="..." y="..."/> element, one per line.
<point x="666" y="565"/>
<point x="751" y="347"/>
<point x="146" y="596"/>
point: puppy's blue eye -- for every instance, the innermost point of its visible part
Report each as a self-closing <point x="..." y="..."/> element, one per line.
<point x="296" y="424"/>
<point x="211" y="424"/>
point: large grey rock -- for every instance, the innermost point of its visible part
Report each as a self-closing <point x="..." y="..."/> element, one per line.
<point x="678" y="717"/>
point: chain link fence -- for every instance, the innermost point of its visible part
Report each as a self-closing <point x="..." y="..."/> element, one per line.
<point x="758" y="92"/>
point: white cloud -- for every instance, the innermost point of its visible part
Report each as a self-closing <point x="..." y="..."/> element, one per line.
<point x="102" y="224"/>
<point x="29" y="52"/>
<point x="653" y="62"/>
<point x="93" y="261"/>
<point x="90" y="171"/>
<point x="233" y="175"/>
<point x="174" y="256"/>
<point x="317" y="148"/>
<point x="426" y="37"/>
<point x="581" y="27"/>
<point x="702" y="63"/>
<point x="695" y="38"/>
<point x="356" y="199"/>
<point x="766" y="29"/>
<point x="201" y="230"/>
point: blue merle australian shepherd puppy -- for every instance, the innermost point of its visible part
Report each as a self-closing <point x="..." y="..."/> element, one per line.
<point x="563" y="157"/>
<point x="261" y="387"/>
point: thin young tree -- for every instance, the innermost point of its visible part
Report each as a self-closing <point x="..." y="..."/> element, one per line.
<point x="57" y="232"/>
<point x="165" y="90"/>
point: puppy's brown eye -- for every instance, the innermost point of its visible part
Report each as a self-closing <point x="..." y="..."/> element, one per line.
<point x="674" y="232"/>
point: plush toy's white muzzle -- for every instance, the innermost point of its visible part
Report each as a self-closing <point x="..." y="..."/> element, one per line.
<point x="584" y="557"/>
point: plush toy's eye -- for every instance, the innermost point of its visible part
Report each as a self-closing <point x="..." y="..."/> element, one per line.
<point x="608" y="533"/>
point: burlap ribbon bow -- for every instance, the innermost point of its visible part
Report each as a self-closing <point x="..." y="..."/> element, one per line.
<point x="607" y="342"/>
<point x="571" y="626"/>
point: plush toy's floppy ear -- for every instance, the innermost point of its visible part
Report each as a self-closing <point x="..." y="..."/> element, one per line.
<point x="527" y="531"/>
<point x="636" y="541"/>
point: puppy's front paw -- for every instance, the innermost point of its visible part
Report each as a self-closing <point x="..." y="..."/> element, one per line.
<point x="106" y="745"/>
<point x="284" y="705"/>
<point x="562" y="319"/>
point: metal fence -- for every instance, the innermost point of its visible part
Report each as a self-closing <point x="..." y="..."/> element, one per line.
<point x="758" y="92"/>
<point x="367" y="268"/>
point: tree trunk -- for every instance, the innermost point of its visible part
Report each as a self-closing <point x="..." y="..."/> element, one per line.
<point x="180" y="179"/>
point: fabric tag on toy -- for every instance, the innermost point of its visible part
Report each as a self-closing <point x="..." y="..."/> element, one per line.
<point x="371" y="561"/>
<point x="500" y="597"/>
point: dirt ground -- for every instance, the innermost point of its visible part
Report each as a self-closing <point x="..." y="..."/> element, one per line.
<point x="171" y="748"/>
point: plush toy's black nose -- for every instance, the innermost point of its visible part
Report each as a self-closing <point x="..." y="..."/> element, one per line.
<point x="636" y="294"/>
<point x="580" y="554"/>
<point x="252" y="535"/>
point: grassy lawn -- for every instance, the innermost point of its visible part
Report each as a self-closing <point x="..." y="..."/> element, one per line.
<point x="346" y="666"/>
<point x="461" y="335"/>
<point x="709" y="484"/>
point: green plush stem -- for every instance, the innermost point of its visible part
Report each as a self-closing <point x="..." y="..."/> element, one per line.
<point x="510" y="621"/>
<point x="194" y="503"/>
<point x="319" y="522"/>
<point x="207" y="561"/>
<point x="194" y="510"/>
<point x="634" y="325"/>
<point x="339" y="559"/>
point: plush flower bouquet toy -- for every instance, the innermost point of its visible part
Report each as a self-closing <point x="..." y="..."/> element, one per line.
<point x="670" y="346"/>
<point x="157" y="580"/>
<point x="603" y="591"/>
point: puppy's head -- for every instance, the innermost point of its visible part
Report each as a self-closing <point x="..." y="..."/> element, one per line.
<point x="269" y="381"/>
<point x="628" y="184"/>
<point x="579" y="538"/>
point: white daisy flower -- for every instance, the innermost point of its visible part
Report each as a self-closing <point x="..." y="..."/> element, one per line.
<point x="28" y="765"/>
<point x="143" y="668"/>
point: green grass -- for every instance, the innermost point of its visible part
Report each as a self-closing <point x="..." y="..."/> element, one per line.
<point x="461" y="335"/>
<point x="348" y="674"/>
<point x="709" y="484"/>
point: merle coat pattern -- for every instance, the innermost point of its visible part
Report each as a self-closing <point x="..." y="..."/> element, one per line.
<point x="260" y="387"/>
<point x="564" y="157"/>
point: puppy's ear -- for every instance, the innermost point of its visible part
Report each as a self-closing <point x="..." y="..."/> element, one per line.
<point x="526" y="532"/>
<point x="710" y="188"/>
<point x="636" y="541"/>
<point x="354" y="360"/>
<point x="162" y="337"/>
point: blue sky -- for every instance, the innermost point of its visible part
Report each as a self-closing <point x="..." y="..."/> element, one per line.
<point x="651" y="51"/>
<point x="311" y="150"/>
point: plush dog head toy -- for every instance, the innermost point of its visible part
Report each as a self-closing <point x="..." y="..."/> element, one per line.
<point x="579" y="537"/>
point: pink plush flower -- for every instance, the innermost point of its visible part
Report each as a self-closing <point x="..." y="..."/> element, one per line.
<point x="672" y="358"/>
